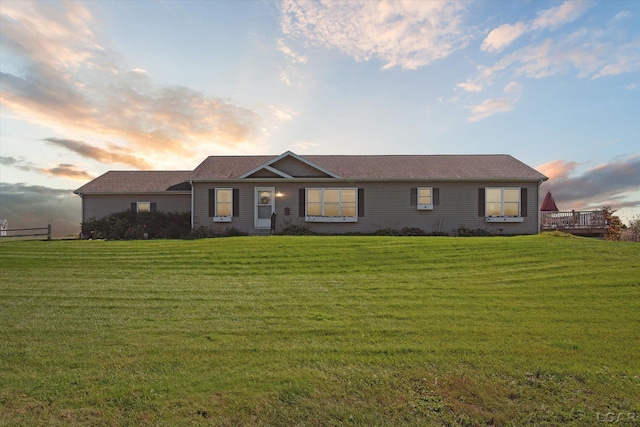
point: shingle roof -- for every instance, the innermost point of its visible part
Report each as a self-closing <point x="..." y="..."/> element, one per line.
<point x="385" y="167"/>
<point x="138" y="182"/>
<point x="228" y="167"/>
<point x="372" y="167"/>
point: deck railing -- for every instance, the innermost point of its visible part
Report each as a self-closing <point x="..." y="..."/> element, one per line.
<point x="574" y="220"/>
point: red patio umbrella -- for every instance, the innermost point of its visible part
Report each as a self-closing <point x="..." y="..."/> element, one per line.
<point x="548" y="204"/>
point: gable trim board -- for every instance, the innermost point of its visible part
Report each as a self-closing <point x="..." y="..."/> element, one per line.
<point x="345" y="188"/>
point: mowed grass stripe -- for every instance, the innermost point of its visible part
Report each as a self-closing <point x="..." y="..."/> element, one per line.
<point x="319" y="331"/>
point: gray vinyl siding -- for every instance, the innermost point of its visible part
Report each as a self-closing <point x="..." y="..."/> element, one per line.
<point x="386" y="205"/>
<point x="99" y="206"/>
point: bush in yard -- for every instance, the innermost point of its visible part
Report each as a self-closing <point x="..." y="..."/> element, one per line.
<point x="614" y="223"/>
<point x="130" y="225"/>
<point x="412" y="231"/>
<point x="201" y="233"/>
<point x="386" y="232"/>
<point x="232" y="231"/>
<point x="296" y="230"/>
<point x="632" y="233"/>
<point x="468" y="232"/>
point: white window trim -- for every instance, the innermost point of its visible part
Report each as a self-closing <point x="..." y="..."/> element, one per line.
<point x="331" y="218"/>
<point x="318" y="218"/>
<point x="223" y="218"/>
<point x="143" y="203"/>
<point x="503" y="218"/>
<point x="424" y="206"/>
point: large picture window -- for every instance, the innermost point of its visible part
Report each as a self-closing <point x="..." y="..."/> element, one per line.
<point x="331" y="205"/>
<point x="503" y="204"/>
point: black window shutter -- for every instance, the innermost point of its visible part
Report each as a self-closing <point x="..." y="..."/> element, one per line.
<point x="523" y="202"/>
<point x="236" y="202"/>
<point x="360" y="201"/>
<point x="212" y="202"/>
<point x="134" y="207"/>
<point x="481" y="211"/>
<point x="414" y="197"/>
<point x="154" y="206"/>
<point x="436" y="196"/>
<point x="301" y="202"/>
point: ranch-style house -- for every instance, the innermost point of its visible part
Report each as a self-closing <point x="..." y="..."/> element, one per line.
<point x="332" y="194"/>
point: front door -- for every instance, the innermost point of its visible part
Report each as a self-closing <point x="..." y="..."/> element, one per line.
<point x="265" y="205"/>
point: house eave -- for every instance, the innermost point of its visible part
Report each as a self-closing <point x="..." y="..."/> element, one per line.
<point x="130" y="193"/>
<point x="408" y="179"/>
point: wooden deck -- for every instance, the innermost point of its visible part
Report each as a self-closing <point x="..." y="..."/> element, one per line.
<point x="584" y="223"/>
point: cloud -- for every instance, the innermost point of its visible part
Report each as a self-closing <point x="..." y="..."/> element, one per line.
<point x="490" y="107"/>
<point x="552" y="18"/>
<point x="293" y="59"/>
<point x="557" y="16"/>
<point x="406" y="34"/>
<point x="68" y="81"/>
<point x="114" y="154"/>
<point x="290" y="54"/>
<point x="17" y="163"/>
<point x="590" y="53"/>
<point x="626" y="60"/>
<point x="621" y="16"/>
<point x="609" y="184"/>
<point x="470" y="86"/>
<point x="513" y="87"/>
<point x="281" y="114"/>
<point x="504" y="35"/>
<point x="303" y="146"/>
<point x="63" y="170"/>
<point x="557" y="169"/>
<point x="27" y="206"/>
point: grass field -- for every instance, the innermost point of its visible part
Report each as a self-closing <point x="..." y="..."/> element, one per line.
<point x="531" y="330"/>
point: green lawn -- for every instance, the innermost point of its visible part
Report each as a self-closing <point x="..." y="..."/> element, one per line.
<point x="531" y="330"/>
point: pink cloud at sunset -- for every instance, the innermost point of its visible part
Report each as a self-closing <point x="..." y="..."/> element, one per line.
<point x="603" y="185"/>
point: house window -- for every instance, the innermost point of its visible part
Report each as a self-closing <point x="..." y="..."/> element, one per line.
<point x="223" y="205"/>
<point x="331" y="205"/>
<point x="503" y="204"/>
<point x="425" y="198"/>
<point x="143" y="207"/>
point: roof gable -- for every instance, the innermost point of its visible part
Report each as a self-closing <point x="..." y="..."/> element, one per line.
<point x="290" y="165"/>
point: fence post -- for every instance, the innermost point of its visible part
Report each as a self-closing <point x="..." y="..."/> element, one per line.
<point x="49" y="232"/>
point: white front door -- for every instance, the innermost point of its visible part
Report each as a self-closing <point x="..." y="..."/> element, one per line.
<point x="265" y="203"/>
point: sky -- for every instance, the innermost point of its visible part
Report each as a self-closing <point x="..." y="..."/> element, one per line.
<point x="87" y="87"/>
